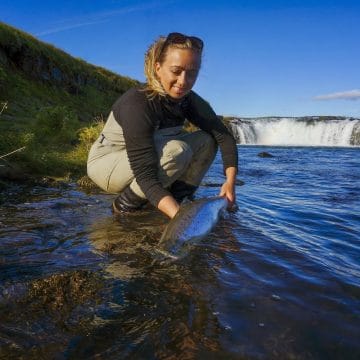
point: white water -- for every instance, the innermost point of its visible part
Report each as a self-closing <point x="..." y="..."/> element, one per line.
<point x="295" y="131"/>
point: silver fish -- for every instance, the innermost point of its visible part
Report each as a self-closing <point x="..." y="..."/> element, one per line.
<point x="193" y="222"/>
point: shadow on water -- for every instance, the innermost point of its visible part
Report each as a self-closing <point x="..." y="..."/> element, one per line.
<point x="277" y="279"/>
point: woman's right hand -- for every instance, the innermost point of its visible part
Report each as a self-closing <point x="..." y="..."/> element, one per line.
<point x="169" y="206"/>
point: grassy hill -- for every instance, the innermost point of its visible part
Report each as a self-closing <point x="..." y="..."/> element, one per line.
<point x="50" y="103"/>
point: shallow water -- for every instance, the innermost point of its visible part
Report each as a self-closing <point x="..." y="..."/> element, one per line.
<point x="280" y="278"/>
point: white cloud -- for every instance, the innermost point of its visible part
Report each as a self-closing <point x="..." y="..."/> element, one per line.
<point x="345" y="95"/>
<point x="99" y="17"/>
<point x="67" y="27"/>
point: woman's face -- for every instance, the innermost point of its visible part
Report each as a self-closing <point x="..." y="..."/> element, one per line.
<point x="179" y="71"/>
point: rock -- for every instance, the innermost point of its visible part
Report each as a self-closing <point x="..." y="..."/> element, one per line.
<point x="355" y="136"/>
<point x="8" y="172"/>
<point x="63" y="291"/>
<point x="206" y="184"/>
<point x="238" y="182"/>
<point x="265" y="154"/>
<point x="87" y="183"/>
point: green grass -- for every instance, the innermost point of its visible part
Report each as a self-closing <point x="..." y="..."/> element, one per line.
<point x="54" y="103"/>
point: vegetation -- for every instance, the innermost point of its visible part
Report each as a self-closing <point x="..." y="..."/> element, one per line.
<point x="51" y="105"/>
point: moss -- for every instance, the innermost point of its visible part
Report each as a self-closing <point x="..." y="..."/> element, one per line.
<point x="63" y="291"/>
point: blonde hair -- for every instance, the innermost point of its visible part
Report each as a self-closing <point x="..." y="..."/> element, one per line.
<point x="156" y="53"/>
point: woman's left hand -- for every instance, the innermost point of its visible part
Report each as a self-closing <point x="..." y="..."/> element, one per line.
<point x="228" y="188"/>
<point x="228" y="191"/>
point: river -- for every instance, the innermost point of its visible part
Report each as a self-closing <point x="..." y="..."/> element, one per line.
<point x="278" y="279"/>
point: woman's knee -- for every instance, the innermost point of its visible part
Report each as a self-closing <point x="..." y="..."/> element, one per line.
<point x="177" y="152"/>
<point x="111" y="172"/>
<point x="207" y="142"/>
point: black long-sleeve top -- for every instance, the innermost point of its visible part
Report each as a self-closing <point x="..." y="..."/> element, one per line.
<point x="139" y="116"/>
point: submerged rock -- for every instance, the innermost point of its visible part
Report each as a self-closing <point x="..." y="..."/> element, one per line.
<point x="238" y="182"/>
<point x="64" y="291"/>
<point x="265" y="154"/>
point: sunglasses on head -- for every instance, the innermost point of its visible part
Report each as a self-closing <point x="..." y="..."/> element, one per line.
<point x="178" y="38"/>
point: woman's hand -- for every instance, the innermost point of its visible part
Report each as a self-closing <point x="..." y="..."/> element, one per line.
<point x="228" y="191"/>
<point x="228" y="188"/>
<point x="169" y="206"/>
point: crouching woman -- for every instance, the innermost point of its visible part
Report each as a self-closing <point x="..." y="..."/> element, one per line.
<point x="143" y="154"/>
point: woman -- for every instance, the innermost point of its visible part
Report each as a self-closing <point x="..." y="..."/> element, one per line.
<point x="143" y="153"/>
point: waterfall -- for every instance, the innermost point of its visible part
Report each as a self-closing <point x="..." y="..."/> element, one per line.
<point x="307" y="131"/>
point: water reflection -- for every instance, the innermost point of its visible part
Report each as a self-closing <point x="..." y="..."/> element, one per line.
<point x="126" y="242"/>
<point x="162" y="311"/>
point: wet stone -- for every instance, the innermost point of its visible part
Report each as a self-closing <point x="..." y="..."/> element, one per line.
<point x="265" y="154"/>
<point x="86" y="183"/>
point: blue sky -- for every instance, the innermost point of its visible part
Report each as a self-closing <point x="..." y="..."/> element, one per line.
<point x="261" y="58"/>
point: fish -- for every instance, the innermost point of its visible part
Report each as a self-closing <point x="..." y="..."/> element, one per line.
<point x="192" y="223"/>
